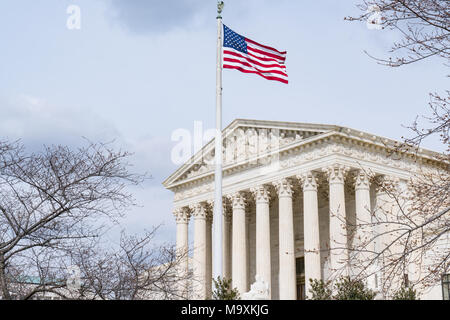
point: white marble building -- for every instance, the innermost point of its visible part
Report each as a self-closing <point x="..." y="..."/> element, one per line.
<point x="287" y="188"/>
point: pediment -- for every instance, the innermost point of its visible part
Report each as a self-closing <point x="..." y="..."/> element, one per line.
<point x="249" y="143"/>
<point x="247" y="140"/>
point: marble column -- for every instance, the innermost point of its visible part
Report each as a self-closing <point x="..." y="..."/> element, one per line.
<point x="397" y="213"/>
<point x="209" y="266"/>
<point x="199" y="212"/>
<point x="383" y="212"/>
<point x="362" y="241"/>
<point x="239" y="244"/>
<point x="386" y="219"/>
<point x="378" y="220"/>
<point x="247" y="237"/>
<point x="413" y="269"/>
<point x="338" y="221"/>
<point x="263" y="261"/>
<point x="287" y="272"/>
<point x="311" y="229"/>
<point x="226" y="242"/>
<point x="226" y="238"/>
<point x="182" y="247"/>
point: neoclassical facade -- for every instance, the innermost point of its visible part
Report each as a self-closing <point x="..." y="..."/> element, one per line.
<point x="290" y="191"/>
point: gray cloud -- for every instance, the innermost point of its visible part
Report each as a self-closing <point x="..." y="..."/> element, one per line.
<point x="151" y="155"/>
<point x="142" y="16"/>
<point x="36" y="122"/>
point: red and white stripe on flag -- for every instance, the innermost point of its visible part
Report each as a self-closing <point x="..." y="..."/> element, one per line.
<point x="249" y="56"/>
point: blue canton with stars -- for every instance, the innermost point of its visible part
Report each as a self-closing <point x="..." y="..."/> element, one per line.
<point x="233" y="40"/>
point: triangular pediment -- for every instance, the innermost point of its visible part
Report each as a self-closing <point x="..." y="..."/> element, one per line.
<point x="250" y="143"/>
<point x="244" y="140"/>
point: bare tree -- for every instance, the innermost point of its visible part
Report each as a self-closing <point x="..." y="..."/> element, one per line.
<point x="424" y="30"/>
<point x="406" y="241"/>
<point x="438" y="125"/>
<point x="423" y="26"/>
<point x="135" y="270"/>
<point x="411" y="242"/>
<point x="54" y="206"/>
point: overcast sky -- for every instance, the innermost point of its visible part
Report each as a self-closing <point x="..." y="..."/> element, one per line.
<point x="139" y="69"/>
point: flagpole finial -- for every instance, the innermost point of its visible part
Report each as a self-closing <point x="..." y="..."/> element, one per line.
<point x="220" y="5"/>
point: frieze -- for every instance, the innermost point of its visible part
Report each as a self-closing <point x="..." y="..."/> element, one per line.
<point x="299" y="155"/>
<point x="246" y="143"/>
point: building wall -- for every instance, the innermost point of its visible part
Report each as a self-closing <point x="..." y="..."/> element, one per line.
<point x="313" y="157"/>
<point x="298" y="235"/>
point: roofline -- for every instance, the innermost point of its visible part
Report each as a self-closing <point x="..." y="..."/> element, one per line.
<point x="288" y="125"/>
<point x="251" y="122"/>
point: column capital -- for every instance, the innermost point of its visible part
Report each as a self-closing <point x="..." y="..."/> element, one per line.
<point x="384" y="183"/>
<point x="238" y="200"/>
<point x="199" y="210"/>
<point x="227" y="216"/>
<point x="362" y="180"/>
<point x="209" y="210"/>
<point x="284" y="187"/>
<point x="308" y="181"/>
<point x="181" y="214"/>
<point x="210" y="204"/>
<point x="261" y="193"/>
<point x="248" y="215"/>
<point x="336" y="173"/>
<point x="226" y="212"/>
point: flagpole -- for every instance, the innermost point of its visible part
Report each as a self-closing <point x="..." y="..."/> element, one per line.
<point x="217" y="215"/>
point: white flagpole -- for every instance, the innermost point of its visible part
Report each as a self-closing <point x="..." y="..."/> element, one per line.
<point x="217" y="215"/>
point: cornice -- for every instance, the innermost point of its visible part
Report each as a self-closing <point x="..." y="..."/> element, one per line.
<point x="340" y="138"/>
<point x="169" y="182"/>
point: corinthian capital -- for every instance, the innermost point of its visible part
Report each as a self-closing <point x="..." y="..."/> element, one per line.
<point x="362" y="180"/>
<point x="209" y="210"/>
<point x="284" y="187"/>
<point x="199" y="210"/>
<point x="308" y="181"/>
<point x="336" y="173"/>
<point x="237" y="200"/>
<point x="385" y="183"/>
<point x="261" y="193"/>
<point x="181" y="215"/>
<point x="227" y="213"/>
<point x="225" y="205"/>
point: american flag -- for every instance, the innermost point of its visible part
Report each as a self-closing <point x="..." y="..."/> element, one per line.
<point x="249" y="56"/>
